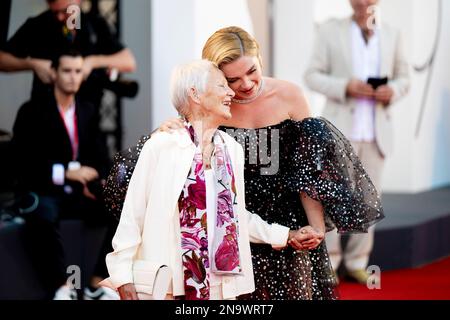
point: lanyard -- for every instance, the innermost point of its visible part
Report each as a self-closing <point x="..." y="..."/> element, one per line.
<point x="73" y="139"/>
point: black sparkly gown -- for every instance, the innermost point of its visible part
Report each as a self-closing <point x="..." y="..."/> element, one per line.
<point x="281" y="161"/>
<point x="314" y="157"/>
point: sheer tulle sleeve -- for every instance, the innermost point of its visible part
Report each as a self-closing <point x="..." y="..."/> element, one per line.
<point x="119" y="177"/>
<point x="325" y="166"/>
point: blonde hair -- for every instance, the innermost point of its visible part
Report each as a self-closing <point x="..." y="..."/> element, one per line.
<point x="229" y="44"/>
<point x="185" y="77"/>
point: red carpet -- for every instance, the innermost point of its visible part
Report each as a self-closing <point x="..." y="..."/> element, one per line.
<point x="430" y="282"/>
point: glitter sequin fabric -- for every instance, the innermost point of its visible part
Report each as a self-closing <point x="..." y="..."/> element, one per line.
<point x="314" y="157"/>
<point x="119" y="177"/>
<point x="324" y="165"/>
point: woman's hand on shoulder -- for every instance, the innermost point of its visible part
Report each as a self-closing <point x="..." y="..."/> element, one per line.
<point x="171" y="124"/>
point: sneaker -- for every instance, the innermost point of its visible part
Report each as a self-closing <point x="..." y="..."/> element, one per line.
<point x="360" y="276"/>
<point x="65" y="293"/>
<point x="101" y="293"/>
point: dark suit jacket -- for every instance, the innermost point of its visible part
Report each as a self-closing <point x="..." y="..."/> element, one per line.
<point x="40" y="140"/>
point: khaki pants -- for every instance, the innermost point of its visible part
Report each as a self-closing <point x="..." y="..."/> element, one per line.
<point x="359" y="246"/>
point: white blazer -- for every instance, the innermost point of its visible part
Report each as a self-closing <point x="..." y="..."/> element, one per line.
<point x="149" y="227"/>
<point x="330" y="69"/>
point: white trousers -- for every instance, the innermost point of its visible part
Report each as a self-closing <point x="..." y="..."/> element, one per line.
<point x="359" y="246"/>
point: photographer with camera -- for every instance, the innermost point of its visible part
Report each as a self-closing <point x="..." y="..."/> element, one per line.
<point x="42" y="38"/>
<point x="61" y="156"/>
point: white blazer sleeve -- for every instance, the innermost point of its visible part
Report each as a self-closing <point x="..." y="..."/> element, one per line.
<point x="127" y="238"/>
<point x="262" y="232"/>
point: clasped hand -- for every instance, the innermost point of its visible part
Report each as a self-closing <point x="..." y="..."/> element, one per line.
<point x="305" y="238"/>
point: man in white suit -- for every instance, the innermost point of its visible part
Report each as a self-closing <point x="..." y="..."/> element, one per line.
<point x="347" y="53"/>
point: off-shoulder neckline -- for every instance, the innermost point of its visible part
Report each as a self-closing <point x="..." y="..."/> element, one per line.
<point x="259" y="128"/>
<point x="273" y="125"/>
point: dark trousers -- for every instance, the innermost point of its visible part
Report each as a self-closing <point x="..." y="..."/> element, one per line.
<point x="43" y="239"/>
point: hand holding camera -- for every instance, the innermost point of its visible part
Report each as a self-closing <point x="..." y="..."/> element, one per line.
<point x="359" y="89"/>
<point x="383" y="93"/>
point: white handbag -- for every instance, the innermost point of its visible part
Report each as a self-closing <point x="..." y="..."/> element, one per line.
<point x="151" y="280"/>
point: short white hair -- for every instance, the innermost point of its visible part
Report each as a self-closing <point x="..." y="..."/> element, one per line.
<point x="194" y="74"/>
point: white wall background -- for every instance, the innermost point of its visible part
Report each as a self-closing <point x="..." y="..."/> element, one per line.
<point x="212" y="15"/>
<point x="136" y="112"/>
<point x="172" y="32"/>
<point x="431" y="151"/>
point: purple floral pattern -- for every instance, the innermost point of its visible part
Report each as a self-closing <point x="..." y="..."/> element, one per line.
<point x="194" y="236"/>
<point x="225" y="243"/>
<point x="193" y="223"/>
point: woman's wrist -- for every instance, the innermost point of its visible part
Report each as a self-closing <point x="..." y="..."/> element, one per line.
<point x="319" y="229"/>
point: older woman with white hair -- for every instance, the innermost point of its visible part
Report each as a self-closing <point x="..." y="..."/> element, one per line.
<point x="185" y="206"/>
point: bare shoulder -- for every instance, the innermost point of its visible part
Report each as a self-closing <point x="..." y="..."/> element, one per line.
<point x="293" y="98"/>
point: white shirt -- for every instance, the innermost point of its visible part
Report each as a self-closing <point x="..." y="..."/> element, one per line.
<point x="366" y="63"/>
<point x="69" y="120"/>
